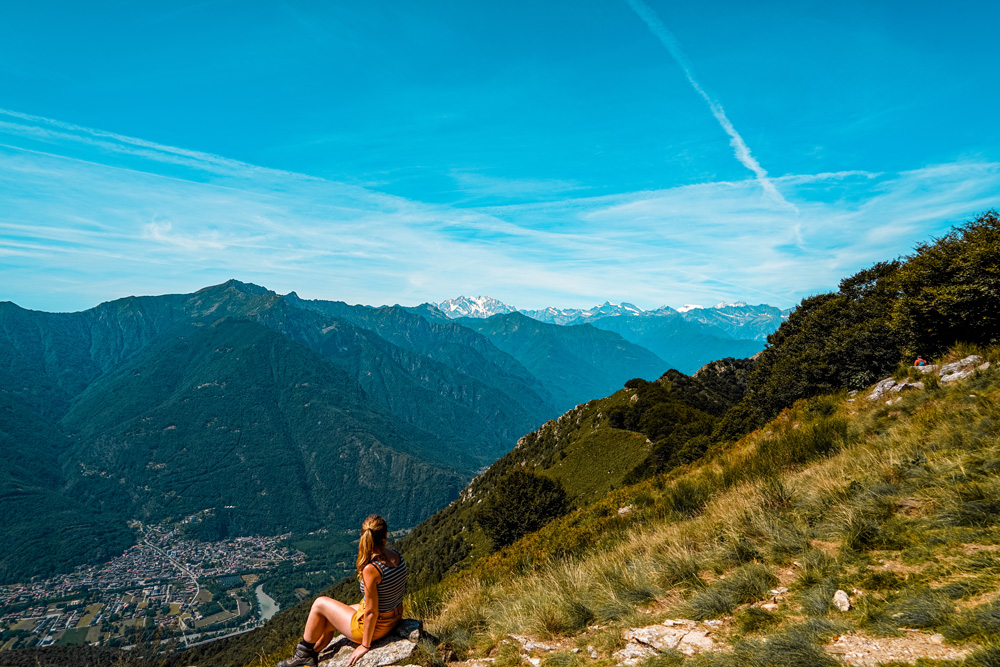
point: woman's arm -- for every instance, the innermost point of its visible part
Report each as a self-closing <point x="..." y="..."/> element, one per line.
<point x="372" y="578"/>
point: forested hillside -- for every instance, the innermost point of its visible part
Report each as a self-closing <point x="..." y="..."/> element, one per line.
<point x="298" y="414"/>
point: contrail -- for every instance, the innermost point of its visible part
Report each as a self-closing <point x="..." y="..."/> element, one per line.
<point x="742" y="151"/>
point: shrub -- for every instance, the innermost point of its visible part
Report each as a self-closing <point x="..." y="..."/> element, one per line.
<point x="522" y="503"/>
<point x="921" y="608"/>
<point x="754" y="619"/>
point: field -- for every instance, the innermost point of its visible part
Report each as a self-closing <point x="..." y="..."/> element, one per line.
<point x="214" y="618"/>
<point x="74" y="637"/>
<point x="88" y="617"/>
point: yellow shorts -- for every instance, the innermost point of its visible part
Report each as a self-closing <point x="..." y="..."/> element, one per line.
<point x="387" y="620"/>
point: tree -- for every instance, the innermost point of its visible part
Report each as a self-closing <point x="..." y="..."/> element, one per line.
<point x="522" y="503"/>
<point x="950" y="289"/>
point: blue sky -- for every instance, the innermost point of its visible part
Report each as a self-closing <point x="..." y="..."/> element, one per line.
<point x="544" y="153"/>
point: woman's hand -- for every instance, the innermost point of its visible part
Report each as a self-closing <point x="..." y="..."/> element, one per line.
<point x="358" y="653"/>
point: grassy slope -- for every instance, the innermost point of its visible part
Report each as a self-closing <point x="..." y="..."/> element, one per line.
<point x="900" y="502"/>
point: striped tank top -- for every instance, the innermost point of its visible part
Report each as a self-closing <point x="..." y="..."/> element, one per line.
<point x="392" y="588"/>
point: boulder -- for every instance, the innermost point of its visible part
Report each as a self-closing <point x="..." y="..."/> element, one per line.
<point x="929" y="368"/>
<point x="633" y="653"/>
<point x="907" y="386"/>
<point x="394" y="647"/>
<point x="959" y="370"/>
<point x="841" y="601"/>
<point x="881" y="389"/>
<point x="680" y="635"/>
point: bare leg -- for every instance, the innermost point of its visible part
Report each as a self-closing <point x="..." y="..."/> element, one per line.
<point x="326" y="616"/>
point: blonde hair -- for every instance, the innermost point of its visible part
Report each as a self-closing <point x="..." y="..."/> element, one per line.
<point x="374" y="532"/>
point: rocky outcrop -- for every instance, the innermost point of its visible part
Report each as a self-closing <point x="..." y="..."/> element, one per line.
<point x="960" y="370"/>
<point x="391" y="649"/>
<point x="953" y="372"/>
<point x="682" y="635"/>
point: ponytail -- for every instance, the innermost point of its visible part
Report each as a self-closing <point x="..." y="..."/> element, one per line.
<point x="374" y="532"/>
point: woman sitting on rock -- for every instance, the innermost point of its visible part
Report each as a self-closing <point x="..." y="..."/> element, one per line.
<point x="382" y="573"/>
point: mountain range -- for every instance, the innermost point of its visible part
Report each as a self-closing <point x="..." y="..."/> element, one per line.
<point x="296" y="412"/>
<point x="686" y="338"/>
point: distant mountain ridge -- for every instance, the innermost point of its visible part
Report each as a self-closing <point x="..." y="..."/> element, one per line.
<point x="685" y="338"/>
<point x="738" y="320"/>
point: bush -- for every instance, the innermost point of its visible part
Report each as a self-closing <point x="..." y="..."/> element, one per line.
<point x="522" y="503"/>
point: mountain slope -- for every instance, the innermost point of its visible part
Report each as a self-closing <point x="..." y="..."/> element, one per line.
<point x="44" y="530"/>
<point x="575" y="363"/>
<point x="233" y="414"/>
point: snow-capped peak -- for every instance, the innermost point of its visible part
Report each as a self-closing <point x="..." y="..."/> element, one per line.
<point x="689" y="306"/>
<point x="480" y="306"/>
<point x="723" y="304"/>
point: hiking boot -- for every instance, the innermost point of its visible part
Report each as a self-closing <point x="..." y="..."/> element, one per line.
<point x="303" y="657"/>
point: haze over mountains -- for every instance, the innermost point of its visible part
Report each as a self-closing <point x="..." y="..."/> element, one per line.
<point x="295" y="412"/>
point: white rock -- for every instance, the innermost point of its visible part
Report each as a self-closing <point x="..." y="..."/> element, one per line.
<point x="386" y="651"/>
<point x="841" y="601"/>
<point x="906" y="386"/>
<point x="959" y="370"/>
<point x="679" y="636"/>
<point x="633" y="653"/>
<point x="695" y="642"/>
<point x="528" y="644"/>
<point x="881" y="388"/>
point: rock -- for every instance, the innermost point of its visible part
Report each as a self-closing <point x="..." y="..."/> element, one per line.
<point x="770" y="606"/>
<point x="780" y="590"/>
<point x="633" y="653"/>
<point x="852" y="393"/>
<point x="386" y="651"/>
<point x="409" y="628"/>
<point x="959" y="370"/>
<point x="841" y="601"/>
<point x="881" y="389"/>
<point x="906" y="386"/>
<point x="680" y="636"/>
<point x="625" y="510"/>
<point x="529" y="644"/>
<point x="696" y="642"/>
<point x="937" y="638"/>
<point x="535" y="662"/>
<point x="930" y="368"/>
<point x="893" y="401"/>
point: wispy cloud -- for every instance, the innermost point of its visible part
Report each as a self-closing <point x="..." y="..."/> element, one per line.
<point x="82" y="223"/>
<point x="740" y="148"/>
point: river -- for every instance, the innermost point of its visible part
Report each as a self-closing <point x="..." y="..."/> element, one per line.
<point x="268" y="607"/>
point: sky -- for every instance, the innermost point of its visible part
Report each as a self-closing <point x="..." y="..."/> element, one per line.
<point x="543" y="153"/>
